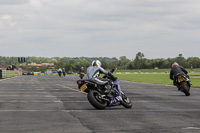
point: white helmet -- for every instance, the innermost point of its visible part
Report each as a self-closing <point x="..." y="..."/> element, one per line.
<point x="96" y="63"/>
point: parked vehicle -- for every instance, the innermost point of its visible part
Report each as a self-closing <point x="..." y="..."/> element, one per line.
<point x="27" y="73"/>
<point x="100" y="99"/>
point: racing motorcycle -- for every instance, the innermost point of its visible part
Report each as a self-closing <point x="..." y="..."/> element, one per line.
<point x="81" y="75"/>
<point x="99" y="97"/>
<point x="184" y="84"/>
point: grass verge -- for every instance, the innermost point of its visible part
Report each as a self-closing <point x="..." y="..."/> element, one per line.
<point x="157" y="78"/>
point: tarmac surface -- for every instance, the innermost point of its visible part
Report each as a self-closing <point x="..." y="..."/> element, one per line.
<point x="50" y="104"/>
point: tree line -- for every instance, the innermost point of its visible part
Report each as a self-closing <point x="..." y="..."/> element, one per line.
<point x="74" y="64"/>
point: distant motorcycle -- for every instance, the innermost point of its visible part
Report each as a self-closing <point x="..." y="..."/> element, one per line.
<point x="81" y="75"/>
<point x="59" y="73"/>
<point x="184" y="84"/>
<point x="64" y="73"/>
<point x="97" y="96"/>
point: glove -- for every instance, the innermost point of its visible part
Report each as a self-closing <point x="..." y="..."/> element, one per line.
<point x="112" y="76"/>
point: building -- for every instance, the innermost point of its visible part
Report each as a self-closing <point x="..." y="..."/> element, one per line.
<point x="34" y="64"/>
<point x="47" y="64"/>
<point x="43" y="64"/>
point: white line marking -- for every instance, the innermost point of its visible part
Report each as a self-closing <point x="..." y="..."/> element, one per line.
<point x="191" y="128"/>
<point x="50" y="96"/>
<point x="30" y="101"/>
<point x="43" y="101"/>
<point x="106" y="110"/>
<point x="20" y="92"/>
<point x="8" y="78"/>
<point x="21" y="89"/>
<point x="42" y="110"/>
<point x="143" y="101"/>
<point x="24" y="96"/>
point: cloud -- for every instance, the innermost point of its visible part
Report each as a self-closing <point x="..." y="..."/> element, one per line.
<point x="12" y="2"/>
<point x="36" y="3"/>
<point x="101" y="28"/>
<point x="6" y="17"/>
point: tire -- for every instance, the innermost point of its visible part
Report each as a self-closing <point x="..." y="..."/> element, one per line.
<point x="185" y="89"/>
<point x="126" y="101"/>
<point x="95" y="101"/>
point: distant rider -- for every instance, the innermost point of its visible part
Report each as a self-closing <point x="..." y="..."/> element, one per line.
<point x="64" y="72"/>
<point x="82" y="72"/>
<point x="93" y="73"/>
<point x="177" y="70"/>
<point x="60" y="71"/>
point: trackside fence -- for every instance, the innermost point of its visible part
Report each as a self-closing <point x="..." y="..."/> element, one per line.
<point x="10" y="73"/>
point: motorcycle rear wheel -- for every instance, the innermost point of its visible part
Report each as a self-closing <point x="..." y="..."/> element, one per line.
<point x="185" y="89"/>
<point x="126" y="101"/>
<point x="95" y="100"/>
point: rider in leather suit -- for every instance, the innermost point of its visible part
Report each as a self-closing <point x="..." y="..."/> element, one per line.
<point x="93" y="73"/>
<point x="175" y="71"/>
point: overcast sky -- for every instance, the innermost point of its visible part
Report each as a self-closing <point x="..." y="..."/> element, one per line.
<point x="100" y="28"/>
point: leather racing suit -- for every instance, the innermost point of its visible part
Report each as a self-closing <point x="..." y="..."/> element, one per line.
<point x="175" y="72"/>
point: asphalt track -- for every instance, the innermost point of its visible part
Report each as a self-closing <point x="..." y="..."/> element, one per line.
<point x="50" y="104"/>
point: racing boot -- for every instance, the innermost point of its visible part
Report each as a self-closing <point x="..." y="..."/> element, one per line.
<point x="115" y="100"/>
<point x="178" y="86"/>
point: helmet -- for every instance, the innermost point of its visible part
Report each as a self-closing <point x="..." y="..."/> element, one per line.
<point x="96" y="63"/>
<point x="175" y="64"/>
<point x="82" y="68"/>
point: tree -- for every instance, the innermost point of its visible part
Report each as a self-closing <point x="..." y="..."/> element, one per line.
<point x="194" y="62"/>
<point x="59" y="65"/>
<point x="53" y="61"/>
<point x="139" y="56"/>
<point x="123" y="61"/>
<point x="180" y="60"/>
<point x="138" y="61"/>
<point x="104" y="64"/>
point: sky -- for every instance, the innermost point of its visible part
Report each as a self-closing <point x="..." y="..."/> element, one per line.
<point x="100" y="28"/>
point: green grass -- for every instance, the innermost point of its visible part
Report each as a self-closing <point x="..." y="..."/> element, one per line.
<point x="157" y="70"/>
<point x="156" y="78"/>
<point x="144" y="70"/>
<point x="146" y="78"/>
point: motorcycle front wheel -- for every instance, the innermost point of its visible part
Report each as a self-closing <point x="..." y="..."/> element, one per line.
<point x="94" y="97"/>
<point x="126" y="101"/>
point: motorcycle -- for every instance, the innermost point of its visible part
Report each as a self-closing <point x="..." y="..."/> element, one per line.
<point x="81" y="75"/>
<point x="59" y="73"/>
<point x="98" y="97"/>
<point x="184" y="84"/>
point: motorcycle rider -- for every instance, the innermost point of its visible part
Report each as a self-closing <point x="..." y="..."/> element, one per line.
<point x="64" y="72"/>
<point x="81" y="72"/>
<point x="177" y="70"/>
<point x="93" y="73"/>
<point x="60" y="71"/>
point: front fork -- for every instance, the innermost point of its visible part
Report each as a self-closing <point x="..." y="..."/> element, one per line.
<point x="118" y="89"/>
